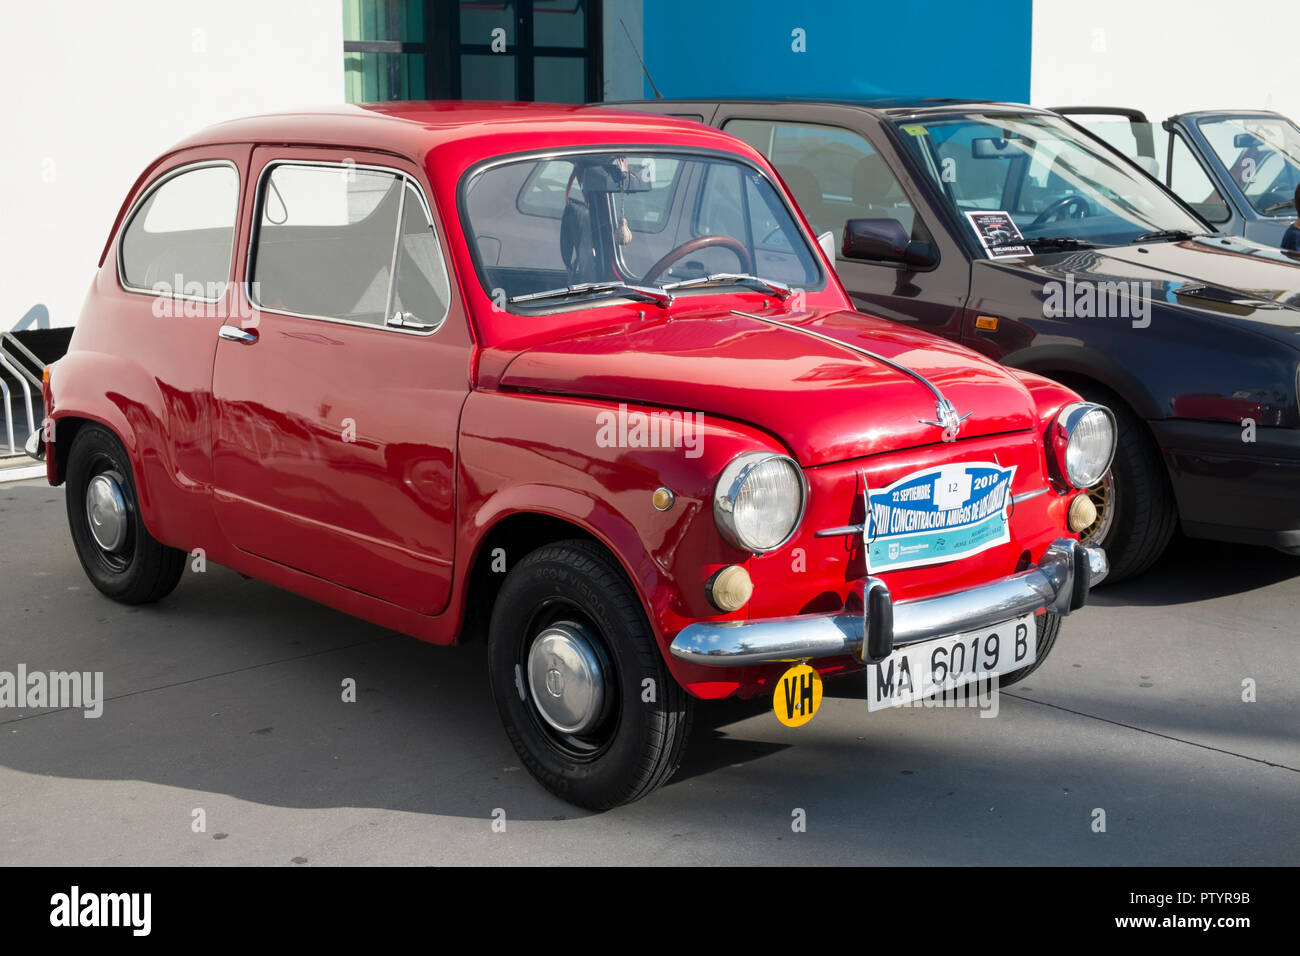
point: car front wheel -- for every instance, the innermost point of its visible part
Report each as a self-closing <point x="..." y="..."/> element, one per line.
<point x="1136" y="515"/>
<point x="582" y="689"/>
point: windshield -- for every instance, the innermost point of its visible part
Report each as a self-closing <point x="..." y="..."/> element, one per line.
<point x="1035" y="174"/>
<point x="620" y="220"/>
<point x="1262" y="154"/>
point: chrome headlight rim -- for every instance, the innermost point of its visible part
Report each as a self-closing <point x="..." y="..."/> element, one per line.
<point x="1067" y="423"/>
<point x="728" y="489"/>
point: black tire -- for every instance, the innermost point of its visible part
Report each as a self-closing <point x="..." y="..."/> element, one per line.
<point x="637" y="745"/>
<point x="1049" y="626"/>
<point x="1144" y="515"/>
<point x="141" y="570"/>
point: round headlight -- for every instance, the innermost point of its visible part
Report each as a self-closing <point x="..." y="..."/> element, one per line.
<point x="759" y="501"/>
<point x="1089" y="442"/>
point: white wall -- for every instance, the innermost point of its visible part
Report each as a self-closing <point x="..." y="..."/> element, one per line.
<point x="97" y="90"/>
<point x="1167" y="56"/>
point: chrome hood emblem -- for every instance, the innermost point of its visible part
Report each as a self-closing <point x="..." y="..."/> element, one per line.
<point x="947" y="419"/>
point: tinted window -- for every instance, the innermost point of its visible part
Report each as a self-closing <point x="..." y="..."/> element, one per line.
<point x="179" y="240"/>
<point x="325" y="247"/>
<point x="834" y="173"/>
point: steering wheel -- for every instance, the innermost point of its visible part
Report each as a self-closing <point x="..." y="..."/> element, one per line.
<point x="734" y="246"/>
<point x="1063" y="208"/>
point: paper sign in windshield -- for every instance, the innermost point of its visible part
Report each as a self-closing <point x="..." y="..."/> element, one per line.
<point x="938" y="514"/>
<point x="998" y="234"/>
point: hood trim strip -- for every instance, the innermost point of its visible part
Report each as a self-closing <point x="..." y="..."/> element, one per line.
<point x="897" y="366"/>
<point x="941" y="402"/>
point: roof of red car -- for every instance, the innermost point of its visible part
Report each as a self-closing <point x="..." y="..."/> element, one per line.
<point x="415" y="127"/>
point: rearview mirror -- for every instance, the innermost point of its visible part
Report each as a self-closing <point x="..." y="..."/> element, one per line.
<point x="885" y="240"/>
<point x="1244" y="141"/>
<point x="990" y="147"/>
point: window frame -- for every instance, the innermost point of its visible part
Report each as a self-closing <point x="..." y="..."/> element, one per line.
<point x="156" y="184"/>
<point x="255" y="229"/>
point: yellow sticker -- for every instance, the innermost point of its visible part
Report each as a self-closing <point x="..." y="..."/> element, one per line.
<point x="916" y="131"/>
<point x="798" y="695"/>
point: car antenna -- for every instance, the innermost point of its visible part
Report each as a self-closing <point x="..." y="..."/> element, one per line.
<point x="649" y="78"/>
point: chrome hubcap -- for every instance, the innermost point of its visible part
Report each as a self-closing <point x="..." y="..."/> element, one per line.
<point x="565" y="678"/>
<point x="106" y="512"/>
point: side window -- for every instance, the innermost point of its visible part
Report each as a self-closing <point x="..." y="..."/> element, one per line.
<point x="326" y="243"/>
<point x="180" y="239"/>
<point x="1189" y="180"/>
<point x="421" y="293"/>
<point x="834" y="173"/>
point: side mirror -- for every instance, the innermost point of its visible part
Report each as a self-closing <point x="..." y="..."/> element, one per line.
<point x="885" y="240"/>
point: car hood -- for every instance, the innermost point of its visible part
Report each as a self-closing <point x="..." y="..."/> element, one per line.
<point x="825" y="400"/>
<point x="1225" y="279"/>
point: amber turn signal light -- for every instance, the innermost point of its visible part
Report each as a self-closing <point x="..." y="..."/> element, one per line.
<point x="730" y="589"/>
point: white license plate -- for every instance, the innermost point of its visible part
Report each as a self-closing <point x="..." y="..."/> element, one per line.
<point x="921" y="670"/>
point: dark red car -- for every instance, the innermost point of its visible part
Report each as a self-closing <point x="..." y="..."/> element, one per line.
<point x="576" y="382"/>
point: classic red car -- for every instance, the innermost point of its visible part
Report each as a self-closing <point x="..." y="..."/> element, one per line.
<point x="574" y="382"/>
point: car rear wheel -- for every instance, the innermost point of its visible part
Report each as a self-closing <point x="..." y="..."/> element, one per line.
<point x="117" y="552"/>
<point x="582" y="689"/>
<point x="1049" y="626"/>
<point x="1136" y="515"/>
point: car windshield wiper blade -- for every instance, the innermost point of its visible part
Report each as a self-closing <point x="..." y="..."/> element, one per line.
<point x="1279" y="206"/>
<point x="1045" y="242"/>
<point x="645" y="294"/>
<point x="779" y="289"/>
<point x="1174" y="235"/>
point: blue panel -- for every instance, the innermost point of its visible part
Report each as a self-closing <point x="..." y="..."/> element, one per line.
<point x="940" y="48"/>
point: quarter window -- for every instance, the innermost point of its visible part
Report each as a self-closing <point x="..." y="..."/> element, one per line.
<point x="347" y="243"/>
<point x="179" y="240"/>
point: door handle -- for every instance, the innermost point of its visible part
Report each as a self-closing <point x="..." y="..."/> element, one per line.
<point x="233" y="333"/>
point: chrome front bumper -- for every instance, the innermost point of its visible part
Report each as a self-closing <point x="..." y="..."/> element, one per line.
<point x="1059" y="582"/>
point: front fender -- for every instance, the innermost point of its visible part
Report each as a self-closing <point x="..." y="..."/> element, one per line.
<point x="539" y="454"/>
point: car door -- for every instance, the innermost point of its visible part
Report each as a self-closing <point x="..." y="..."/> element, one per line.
<point x="337" y="396"/>
<point x="839" y="165"/>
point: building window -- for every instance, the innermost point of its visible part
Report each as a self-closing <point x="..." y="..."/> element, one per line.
<point x="472" y="49"/>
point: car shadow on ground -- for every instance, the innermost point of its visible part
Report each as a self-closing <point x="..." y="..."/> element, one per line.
<point x="1195" y="570"/>
<point x="231" y="686"/>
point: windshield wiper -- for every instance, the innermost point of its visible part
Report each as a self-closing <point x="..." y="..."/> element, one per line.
<point x="1174" y="235"/>
<point x="779" y="289"/>
<point x="1278" y="206"/>
<point x="643" y="293"/>
<point x="1045" y="242"/>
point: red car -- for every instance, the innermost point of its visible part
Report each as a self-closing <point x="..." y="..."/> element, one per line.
<point x="574" y="382"/>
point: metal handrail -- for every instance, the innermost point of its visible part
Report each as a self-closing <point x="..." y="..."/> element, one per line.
<point x="9" y="416"/>
<point x="23" y="376"/>
<point x="8" y="338"/>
